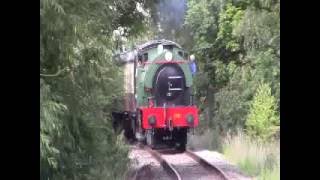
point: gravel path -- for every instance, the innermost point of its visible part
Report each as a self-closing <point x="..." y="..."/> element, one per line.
<point x="145" y="166"/>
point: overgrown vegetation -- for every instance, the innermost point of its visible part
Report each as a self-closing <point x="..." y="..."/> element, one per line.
<point x="238" y="46"/>
<point x="80" y="85"/>
<point x="253" y="157"/>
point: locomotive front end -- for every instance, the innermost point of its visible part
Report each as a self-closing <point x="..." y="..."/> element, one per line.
<point x="166" y="108"/>
<point x="171" y="105"/>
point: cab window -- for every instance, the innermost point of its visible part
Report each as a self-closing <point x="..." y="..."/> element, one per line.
<point x="145" y="57"/>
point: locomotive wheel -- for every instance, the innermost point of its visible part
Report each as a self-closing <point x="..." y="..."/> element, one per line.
<point x="133" y="124"/>
<point x="128" y="132"/>
<point x="151" y="140"/>
<point x="139" y="134"/>
<point x="181" y="140"/>
<point x="117" y="122"/>
<point x="181" y="147"/>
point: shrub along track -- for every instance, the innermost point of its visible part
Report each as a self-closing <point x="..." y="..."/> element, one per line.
<point x="185" y="165"/>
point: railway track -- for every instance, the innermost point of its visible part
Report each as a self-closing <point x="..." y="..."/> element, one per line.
<point x="186" y="165"/>
<point x="207" y="165"/>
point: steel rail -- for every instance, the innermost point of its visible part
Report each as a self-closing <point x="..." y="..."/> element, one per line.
<point x="171" y="171"/>
<point x="206" y="164"/>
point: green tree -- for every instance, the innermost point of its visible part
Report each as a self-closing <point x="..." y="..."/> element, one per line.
<point x="237" y="44"/>
<point x="228" y="20"/>
<point x="263" y="120"/>
<point x="80" y="86"/>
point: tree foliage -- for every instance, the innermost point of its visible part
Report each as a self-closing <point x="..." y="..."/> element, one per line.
<point x="237" y="45"/>
<point x="80" y="86"/>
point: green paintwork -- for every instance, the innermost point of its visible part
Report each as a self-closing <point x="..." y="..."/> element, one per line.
<point x="139" y="86"/>
<point x="146" y="74"/>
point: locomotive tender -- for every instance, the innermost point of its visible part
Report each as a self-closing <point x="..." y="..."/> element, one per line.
<point x="158" y="101"/>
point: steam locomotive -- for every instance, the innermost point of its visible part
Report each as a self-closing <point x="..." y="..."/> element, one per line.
<point x="158" y="102"/>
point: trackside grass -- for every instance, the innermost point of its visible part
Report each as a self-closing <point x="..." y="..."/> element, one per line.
<point x="261" y="160"/>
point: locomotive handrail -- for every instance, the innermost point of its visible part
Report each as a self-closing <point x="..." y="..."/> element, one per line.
<point x="191" y="99"/>
<point x="152" y="102"/>
<point x="166" y="62"/>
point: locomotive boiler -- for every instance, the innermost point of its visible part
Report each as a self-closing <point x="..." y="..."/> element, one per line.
<point x="158" y="102"/>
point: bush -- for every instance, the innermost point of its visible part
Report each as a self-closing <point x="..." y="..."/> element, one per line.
<point x="263" y="121"/>
<point x="231" y="103"/>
